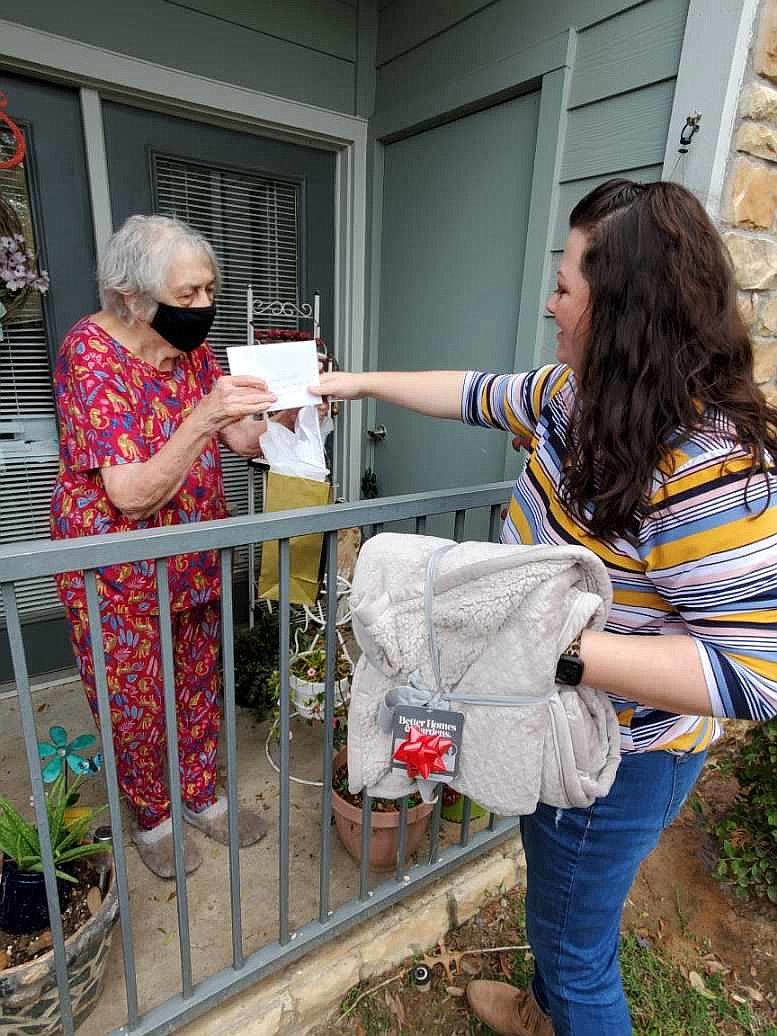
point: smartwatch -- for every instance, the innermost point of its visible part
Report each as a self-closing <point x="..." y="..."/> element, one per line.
<point x="569" y="669"/>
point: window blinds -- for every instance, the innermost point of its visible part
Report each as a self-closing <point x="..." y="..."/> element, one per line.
<point x="252" y="223"/>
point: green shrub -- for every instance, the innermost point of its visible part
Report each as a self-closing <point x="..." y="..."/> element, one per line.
<point x="256" y="658"/>
<point x="748" y="834"/>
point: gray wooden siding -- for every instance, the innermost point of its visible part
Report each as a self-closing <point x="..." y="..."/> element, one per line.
<point x="631" y="50"/>
<point x="304" y="50"/>
<point x="620" y="97"/>
<point x="423" y="45"/>
<point x="620" y="132"/>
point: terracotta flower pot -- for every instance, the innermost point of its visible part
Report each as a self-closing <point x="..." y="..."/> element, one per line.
<point x="29" y="1002"/>
<point x="384" y="841"/>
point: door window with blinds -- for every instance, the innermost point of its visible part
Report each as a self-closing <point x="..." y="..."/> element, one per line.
<point x="28" y="431"/>
<point x="253" y="223"/>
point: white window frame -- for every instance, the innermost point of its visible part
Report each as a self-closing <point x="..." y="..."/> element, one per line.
<point x="102" y="74"/>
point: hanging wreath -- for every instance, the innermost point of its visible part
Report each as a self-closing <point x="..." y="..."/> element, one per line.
<point x="19" y="271"/>
<point x="19" y="146"/>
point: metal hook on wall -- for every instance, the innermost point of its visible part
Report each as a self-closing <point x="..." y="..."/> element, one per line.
<point x="688" y="131"/>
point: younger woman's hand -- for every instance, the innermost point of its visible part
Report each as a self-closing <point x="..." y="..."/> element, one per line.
<point x="340" y="385"/>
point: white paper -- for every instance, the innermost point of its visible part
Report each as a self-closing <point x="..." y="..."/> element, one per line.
<point x="287" y="367"/>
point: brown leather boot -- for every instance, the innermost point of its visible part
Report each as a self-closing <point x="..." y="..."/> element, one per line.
<point x="509" y="1011"/>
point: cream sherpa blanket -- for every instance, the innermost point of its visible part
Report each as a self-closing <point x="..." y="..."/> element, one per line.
<point x="501" y="616"/>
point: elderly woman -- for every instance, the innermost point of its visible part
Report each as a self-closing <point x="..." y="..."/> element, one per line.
<point x="142" y="406"/>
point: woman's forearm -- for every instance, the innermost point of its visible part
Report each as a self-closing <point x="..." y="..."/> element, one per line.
<point x="243" y="436"/>
<point x="436" y="393"/>
<point x="661" y="672"/>
<point x="139" y="490"/>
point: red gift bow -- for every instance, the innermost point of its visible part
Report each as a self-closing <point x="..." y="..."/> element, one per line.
<point x="423" y="753"/>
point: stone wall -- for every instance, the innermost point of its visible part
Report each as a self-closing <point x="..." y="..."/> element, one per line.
<point x="749" y="211"/>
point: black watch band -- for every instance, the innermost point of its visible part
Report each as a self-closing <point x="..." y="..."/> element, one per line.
<point x="569" y="669"/>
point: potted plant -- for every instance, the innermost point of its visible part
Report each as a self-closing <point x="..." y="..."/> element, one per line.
<point x="307" y="681"/>
<point x="384" y="840"/>
<point x="256" y="658"/>
<point x="453" y="807"/>
<point x="23" y="906"/>
<point x="29" y="999"/>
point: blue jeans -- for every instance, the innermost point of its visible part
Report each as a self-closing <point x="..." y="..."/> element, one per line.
<point x="580" y="866"/>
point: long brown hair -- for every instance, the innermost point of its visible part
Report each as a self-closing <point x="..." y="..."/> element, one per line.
<point x="667" y="347"/>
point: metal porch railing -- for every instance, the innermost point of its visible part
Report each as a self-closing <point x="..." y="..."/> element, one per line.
<point x="30" y="560"/>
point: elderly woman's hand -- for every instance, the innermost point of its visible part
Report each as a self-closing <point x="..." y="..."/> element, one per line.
<point x="232" y="399"/>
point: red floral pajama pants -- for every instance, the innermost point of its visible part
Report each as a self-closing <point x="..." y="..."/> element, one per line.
<point x="133" y="661"/>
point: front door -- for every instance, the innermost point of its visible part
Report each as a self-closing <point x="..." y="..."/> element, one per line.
<point x="455" y="215"/>
<point x="48" y="193"/>
<point x="266" y="206"/>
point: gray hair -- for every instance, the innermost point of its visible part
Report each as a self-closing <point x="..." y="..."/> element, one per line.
<point x="134" y="268"/>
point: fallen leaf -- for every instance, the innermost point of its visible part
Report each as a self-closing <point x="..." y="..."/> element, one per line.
<point x="505" y="966"/>
<point x="43" y="942"/>
<point x="661" y="927"/>
<point x="471" y="966"/>
<point x="450" y="961"/>
<point x="454" y="991"/>
<point x="3" y="960"/>
<point x="94" y="900"/>
<point x="697" y="983"/>
<point x="738" y="999"/>
<point x="360" y="1030"/>
<point x="171" y="896"/>
<point x="754" y="994"/>
<point x="394" y="1005"/>
<point x="714" y="967"/>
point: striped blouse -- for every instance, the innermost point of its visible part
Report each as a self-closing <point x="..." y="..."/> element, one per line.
<point x="704" y="562"/>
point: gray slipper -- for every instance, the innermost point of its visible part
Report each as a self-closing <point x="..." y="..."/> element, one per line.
<point x="156" y="849"/>
<point x="213" y="822"/>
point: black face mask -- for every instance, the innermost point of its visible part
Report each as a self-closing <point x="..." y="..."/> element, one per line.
<point x="184" y="327"/>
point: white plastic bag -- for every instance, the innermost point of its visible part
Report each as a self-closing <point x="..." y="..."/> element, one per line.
<point x="300" y="452"/>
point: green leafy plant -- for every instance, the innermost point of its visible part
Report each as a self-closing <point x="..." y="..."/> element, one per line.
<point x="311" y="665"/>
<point x="256" y="658"/>
<point x="748" y="834"/>
<point x="369" y="485"/>
<point x="19" y="840"/>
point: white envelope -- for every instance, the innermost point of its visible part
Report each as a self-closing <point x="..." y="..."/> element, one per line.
<point x="287" y="367"/>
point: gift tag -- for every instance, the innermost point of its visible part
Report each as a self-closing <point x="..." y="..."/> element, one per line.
<point x="426" y="742"/>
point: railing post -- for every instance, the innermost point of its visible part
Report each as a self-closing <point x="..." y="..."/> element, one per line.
<point x="230" y="726"/>
<point x="114" y="803"/>
<point x="21" y="676"/>
<point x="174" y="774"/>
<point x="284" y="797"/>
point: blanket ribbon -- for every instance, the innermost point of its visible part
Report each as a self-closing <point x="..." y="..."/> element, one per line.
<point x="416" y="693"/>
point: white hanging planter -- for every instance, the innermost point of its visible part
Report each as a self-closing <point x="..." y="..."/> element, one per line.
<point x="308" y="698"/>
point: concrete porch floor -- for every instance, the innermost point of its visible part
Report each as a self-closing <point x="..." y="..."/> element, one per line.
<point x="152" y="900"/>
